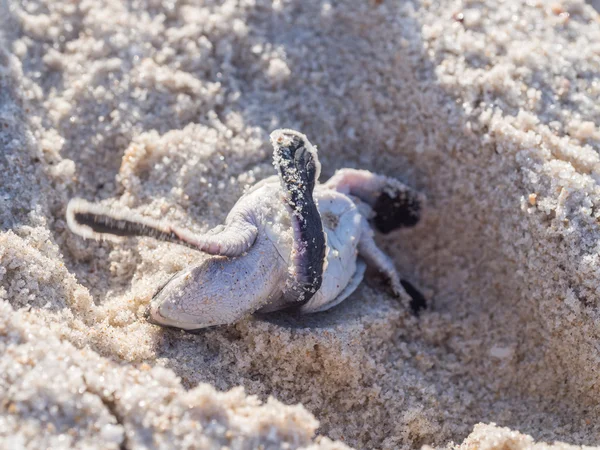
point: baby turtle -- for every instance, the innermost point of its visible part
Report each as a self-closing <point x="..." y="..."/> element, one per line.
<point x="289" y="242"/>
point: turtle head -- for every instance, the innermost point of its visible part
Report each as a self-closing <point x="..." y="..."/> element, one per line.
<point x="219" y="290"/>
<point x="180" y="303"/>
<point x="203" y="296"/>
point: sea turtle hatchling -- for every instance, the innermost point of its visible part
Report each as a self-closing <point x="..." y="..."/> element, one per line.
<point x="289" y="242"/>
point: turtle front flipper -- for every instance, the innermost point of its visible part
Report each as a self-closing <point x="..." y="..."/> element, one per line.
<point x="93" y="221"/>
<point x="395" y="205"/>
<point x="298" y="166"/>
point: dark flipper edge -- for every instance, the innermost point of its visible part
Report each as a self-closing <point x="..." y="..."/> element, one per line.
<point x="298" y="166"/>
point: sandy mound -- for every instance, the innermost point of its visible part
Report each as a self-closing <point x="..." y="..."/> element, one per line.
<point x="490" y="108"/>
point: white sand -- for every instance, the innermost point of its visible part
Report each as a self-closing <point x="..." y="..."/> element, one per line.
<point x="491" y="108"/>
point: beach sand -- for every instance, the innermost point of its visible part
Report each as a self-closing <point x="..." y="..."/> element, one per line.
<point x="491" y="109"/>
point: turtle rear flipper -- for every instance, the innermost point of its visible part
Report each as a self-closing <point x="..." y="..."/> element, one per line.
<point x="396" y="209"/>
<point x="394" y="204"/>
<point x="298" y="166"/>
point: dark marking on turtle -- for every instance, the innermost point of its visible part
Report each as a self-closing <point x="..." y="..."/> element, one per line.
<point x="330" y="220"/>
<point x="392" y="213"/>
<point x="418" y="301"/>
<point x="101" y="223"/>
<point x="298" y="172"/>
